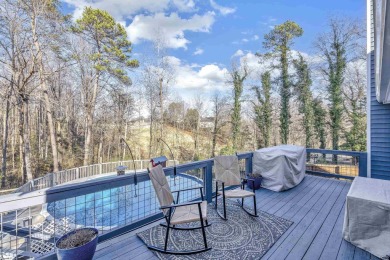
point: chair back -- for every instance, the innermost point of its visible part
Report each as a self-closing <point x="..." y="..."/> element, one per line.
<point x="161" y="187"/>
<point x="227" y="169"/>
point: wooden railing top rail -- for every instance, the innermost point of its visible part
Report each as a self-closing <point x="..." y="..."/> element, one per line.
<point x="336" y="152"/>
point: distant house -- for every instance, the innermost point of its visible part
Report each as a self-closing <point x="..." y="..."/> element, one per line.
<point x="207" y="122"/>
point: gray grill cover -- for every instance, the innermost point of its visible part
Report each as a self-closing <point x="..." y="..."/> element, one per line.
<point x="367" y="216"/>
<point x="282" y="167"/>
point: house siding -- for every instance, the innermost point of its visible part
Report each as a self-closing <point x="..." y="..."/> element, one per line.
<point x="379" y="120"/>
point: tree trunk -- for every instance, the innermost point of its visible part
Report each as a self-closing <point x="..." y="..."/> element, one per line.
<point x="27" y="146"/>
<point x="89" y="124"/>
<point x="214" y="141"/>
<point x="45" y="89"/>
<point x="124" y="147"/>
<point x="88" y="137"/>
<point x="161" y="115"/>
<point x="285" y="99"/>
<point x="196" y="140"/>
<point x="5" y="141"/>
<point x="151" y="133"/>
<point x="100" y="151"/>
<point x="21" y="143"/>
<point x="24" y="142"/>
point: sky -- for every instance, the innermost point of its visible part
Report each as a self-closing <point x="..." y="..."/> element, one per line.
<point x="204" y="37"/>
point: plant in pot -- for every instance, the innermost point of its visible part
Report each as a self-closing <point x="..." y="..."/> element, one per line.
<point x="78" y="244"/>
<point x="257" y="180"/>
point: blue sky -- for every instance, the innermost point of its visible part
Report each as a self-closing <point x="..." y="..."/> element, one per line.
<point x="256" y="17"/>
<point x="203" y="35"/>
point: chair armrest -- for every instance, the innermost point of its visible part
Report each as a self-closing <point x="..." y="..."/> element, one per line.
<point x="200" y="187"/>
<point x="178" y="192"/>
<point x="181" y="204"/>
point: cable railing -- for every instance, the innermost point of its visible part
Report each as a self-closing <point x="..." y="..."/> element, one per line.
<point x="336" y="163"/>
<point x="31" y="223"/>
<point x="69" y="175"/>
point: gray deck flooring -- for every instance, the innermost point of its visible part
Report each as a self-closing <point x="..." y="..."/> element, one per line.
<point x="316" y="207"/>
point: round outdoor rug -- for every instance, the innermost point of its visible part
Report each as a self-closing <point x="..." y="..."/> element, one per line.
<point x="240" y="237"/>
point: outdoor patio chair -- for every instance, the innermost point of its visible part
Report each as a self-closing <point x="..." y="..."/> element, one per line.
<point x="227" y="173"/>
<point x="178" y="213"/>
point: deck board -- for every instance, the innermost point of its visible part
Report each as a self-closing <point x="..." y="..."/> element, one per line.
<point x="312" y="242"/>
<point x="296" y="212"/>
<point x="322" y="205"/>
<point x="333" y="244"/>
<point x="316" y="207"/>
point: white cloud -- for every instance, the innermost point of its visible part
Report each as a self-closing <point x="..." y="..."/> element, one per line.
<point x="184" y="5"/>
<point x="121" y="9"/>
<point x="212" y="73"/>
<point x="125" y="9"/>
<point x="190" y="77"/>
<point x="198" y="51"/>
<point x="238" y="53"/>
<point x="246" y="40"/>
<point x="223" y="10"/>
<point x="269" y="22"/>
<point x="172" y="27"/>
<point x="173" y="61"/>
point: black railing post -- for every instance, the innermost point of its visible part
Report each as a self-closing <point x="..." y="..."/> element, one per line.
<point x="248" y="164"/>
<point x="363" y="165"/>
<point x="209" y="181"/>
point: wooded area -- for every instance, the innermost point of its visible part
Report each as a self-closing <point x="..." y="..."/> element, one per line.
<point x="71" y="89"/>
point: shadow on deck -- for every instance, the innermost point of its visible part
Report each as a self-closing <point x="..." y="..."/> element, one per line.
<point x="316" y="207"/>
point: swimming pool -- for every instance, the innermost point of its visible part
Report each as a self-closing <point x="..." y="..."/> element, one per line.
<point x="116" y="207"/>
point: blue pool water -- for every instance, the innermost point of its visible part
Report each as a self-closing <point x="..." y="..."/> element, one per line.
<point x="120" y="206"/>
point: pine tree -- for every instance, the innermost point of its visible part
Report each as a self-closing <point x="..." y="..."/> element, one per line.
<point x="279" y="41"/>
<point x="110" y="56"/>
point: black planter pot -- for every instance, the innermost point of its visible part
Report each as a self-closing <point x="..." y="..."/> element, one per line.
<point x="83" y="252"/>
<point x="257" y="183"/>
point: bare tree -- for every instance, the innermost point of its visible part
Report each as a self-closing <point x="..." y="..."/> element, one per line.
<point x="19" y="67"/>
<point x="43" y="14"/>
<point x="354" y="92"/>
<point x="338" y="46"/>
<point x="220" y="110"/>
<point x="158" y="74"/>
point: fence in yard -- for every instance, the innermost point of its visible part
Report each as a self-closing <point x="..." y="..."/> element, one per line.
<point x="65" y="176"/>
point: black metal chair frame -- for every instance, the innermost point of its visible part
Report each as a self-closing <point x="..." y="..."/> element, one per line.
<point x="243" y="182"/>
<point x="171" y="210"/>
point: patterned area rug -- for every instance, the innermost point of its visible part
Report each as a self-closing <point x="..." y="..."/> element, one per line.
<point x="240" y="237"/>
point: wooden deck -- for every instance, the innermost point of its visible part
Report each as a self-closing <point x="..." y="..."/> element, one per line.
<point x="316" y="207"/>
